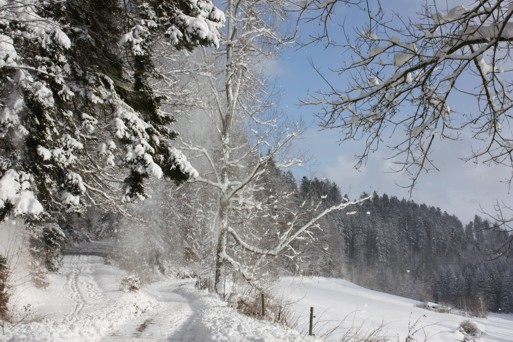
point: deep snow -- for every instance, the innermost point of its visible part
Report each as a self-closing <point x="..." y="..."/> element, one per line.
<point x="339" y="303"/>
<point x="84" y="302"/>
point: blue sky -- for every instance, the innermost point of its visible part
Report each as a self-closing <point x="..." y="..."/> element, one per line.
<point x="459" y="188"/>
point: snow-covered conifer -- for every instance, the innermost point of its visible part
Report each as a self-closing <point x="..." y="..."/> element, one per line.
<point x="77" y="112"/>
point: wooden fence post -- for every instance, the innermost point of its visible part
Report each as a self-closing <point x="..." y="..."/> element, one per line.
<point x="310" y="327"/>
<point x="263" y="305"/>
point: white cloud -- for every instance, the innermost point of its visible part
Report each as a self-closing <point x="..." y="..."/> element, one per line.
<point x="272" y="68"/>
<point x="460" y="188"/>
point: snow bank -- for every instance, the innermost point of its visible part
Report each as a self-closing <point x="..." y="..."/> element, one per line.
<point x="214" y="321"/>
<point x="85" y="302"/>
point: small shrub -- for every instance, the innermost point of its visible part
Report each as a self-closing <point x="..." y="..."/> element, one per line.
<point x="39" y="276"/>
<point x="107" y="260"/>
<point x="475" y="307"/>
<point x="275" y="309"/>
<point x="22" y="315"/>
<point x="130" y="283"/>
<point x="470" y="330"/>
<point x="202" y="283"/>
<point x="248" y="306"/>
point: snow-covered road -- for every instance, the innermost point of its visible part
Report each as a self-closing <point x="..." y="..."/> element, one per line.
<point x="84" y="302"/>
<point x="168" y="320"/>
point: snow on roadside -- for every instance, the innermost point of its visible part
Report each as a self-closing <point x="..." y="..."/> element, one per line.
<point x="214" y="321"/>
<point x="84" y="302"/>
<point x="340" y="305"/>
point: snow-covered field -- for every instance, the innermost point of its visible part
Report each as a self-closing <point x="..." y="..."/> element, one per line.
<point x="84" y="302"/>
<point x="354" y="309"/>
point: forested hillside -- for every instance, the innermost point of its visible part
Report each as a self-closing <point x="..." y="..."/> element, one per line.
<point x="391" y="245"/>
<point x="401" y="247"/>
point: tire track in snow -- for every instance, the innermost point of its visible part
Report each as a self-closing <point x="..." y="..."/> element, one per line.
<point x="72" y="285"/>
<point x="160" y="324"/>
<point x="81" y="286"/>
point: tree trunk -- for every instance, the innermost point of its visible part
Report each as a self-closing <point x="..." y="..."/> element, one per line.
<point x="221" y="249"/>
<point x="219" y="267"/>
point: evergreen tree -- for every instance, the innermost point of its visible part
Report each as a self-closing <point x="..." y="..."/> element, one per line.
<point x="419" y="251"/>
<point x="4" y="293"/>
<point x="77" y="111"/>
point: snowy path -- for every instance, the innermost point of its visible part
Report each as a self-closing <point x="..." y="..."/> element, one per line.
<point x="164" y="322"/>
<point x="84" y="302"/>
<point x="80" y="285"/>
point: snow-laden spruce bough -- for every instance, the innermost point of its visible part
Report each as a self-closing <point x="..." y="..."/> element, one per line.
<point x="80" y="125"/>
<point x="78" y="114"/>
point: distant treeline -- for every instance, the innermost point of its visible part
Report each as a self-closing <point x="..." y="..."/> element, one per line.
<point x="409" y="249"/>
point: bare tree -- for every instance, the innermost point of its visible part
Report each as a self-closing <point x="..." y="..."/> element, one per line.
<point x="321" y="13"/>
<point x="410" y="80"/>
<point x="245" y="138"/>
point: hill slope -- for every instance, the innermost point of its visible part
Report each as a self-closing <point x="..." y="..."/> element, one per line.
<point x="345" y="308"/>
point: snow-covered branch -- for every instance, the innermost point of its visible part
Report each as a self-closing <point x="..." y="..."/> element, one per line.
<point x="78" y="102"/>
<point x="410" y="76"/>
<point x="286" y="240"/>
